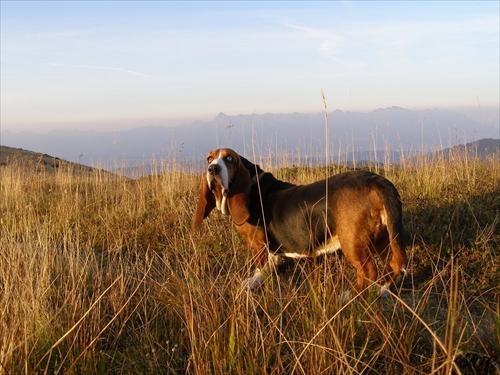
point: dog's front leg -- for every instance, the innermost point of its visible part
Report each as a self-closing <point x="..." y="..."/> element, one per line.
<point x="263" y="259"/>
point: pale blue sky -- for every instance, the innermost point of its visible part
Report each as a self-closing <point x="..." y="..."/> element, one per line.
<point x="117" y="65"/>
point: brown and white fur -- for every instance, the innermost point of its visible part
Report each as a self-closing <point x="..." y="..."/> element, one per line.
<point x="361" y="216"/>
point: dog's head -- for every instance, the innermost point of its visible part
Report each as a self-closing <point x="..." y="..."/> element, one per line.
<point x="225" y="186"/>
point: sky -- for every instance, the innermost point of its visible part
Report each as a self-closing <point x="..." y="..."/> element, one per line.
<point x="111" y="65"/>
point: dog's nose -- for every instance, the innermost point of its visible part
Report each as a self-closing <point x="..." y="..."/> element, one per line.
<point x="213" y="169"/>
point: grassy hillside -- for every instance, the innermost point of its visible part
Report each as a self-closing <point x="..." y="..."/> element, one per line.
<point x="38" y="161"/>
<point x="100" y="274"/>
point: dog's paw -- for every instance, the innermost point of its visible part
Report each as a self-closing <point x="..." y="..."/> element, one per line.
<point x="385" y="290"/>
<point x="253" y="282"/>
<point x="346" y="297"/>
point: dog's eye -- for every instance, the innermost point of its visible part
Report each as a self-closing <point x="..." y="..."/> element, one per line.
<point x="209" y="159"/>
<point x="229" y="159"/>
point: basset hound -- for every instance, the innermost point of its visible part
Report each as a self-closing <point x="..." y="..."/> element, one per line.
<point x="361" y="215"/>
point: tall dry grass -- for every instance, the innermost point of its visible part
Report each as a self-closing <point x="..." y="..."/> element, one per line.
<point x="102" y="274"/>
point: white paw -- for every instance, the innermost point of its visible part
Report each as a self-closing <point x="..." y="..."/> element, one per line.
<point x="253" y="282"/>
<point x="385" y="291"/>
<point x="346" y="297"/>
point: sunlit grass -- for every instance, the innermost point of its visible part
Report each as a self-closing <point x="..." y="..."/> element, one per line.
<point x="103" y="274"/>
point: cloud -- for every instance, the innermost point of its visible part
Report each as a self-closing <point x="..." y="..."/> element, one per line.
<point x="121" y="70"/>
<point x="329" y="41"/>
<point x="406" y="34"/>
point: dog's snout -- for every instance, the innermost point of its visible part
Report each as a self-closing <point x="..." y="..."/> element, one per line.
<point x="214" y="169"/>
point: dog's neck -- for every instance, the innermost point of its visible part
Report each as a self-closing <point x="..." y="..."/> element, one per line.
<point x="257" y="177"/>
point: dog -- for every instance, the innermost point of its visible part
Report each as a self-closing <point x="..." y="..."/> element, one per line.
<point x="358" y="212"/>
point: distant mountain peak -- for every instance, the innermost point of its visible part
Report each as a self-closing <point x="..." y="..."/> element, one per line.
<point x="393" y="108"/>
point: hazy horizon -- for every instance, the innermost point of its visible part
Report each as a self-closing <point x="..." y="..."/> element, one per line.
<point x="489" y="116"/>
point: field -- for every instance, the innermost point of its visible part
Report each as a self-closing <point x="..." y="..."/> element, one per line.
<point x="101" y="274"/>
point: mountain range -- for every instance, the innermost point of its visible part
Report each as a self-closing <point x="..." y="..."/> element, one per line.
<point x="350" y="135"/>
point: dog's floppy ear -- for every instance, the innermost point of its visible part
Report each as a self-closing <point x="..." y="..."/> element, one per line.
<point x="206" y="203"/>
<point x="237" y="197"/>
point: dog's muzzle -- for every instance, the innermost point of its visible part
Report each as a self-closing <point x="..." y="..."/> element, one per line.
<point x="217" y="175"/>
<point x="214" y="169"/>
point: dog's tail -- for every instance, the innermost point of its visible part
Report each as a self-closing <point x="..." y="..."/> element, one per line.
<point x="394" y="223"/>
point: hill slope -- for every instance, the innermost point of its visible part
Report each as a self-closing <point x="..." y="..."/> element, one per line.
<point x="10" y="155"/>
<point x="482" y="147"/>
